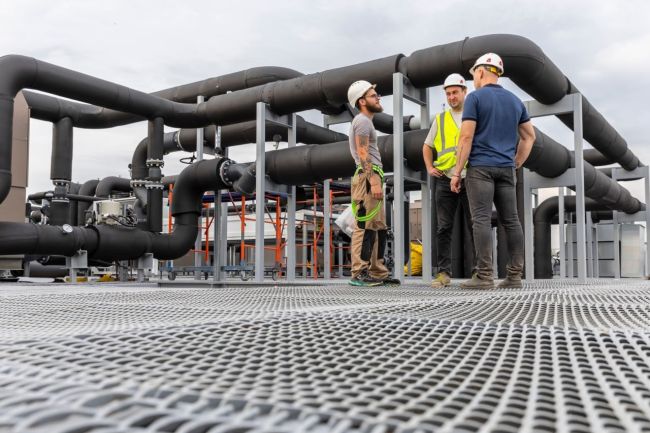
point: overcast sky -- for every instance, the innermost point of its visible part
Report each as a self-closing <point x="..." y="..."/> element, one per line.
<point x="151" y="45"/>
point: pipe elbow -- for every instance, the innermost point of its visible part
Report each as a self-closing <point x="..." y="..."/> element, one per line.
<point x="245" y="184"/>
<point x="17" y="72"/>
<point x="5" y="184"/>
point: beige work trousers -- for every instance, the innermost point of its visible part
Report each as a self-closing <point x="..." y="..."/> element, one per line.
<point x="362" y="197"/>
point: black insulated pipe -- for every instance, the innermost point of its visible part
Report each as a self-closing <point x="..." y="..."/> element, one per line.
<point x="154" y="185"/>
<point x="183" y="140"/>
<point x="313" y="163"/>
<point x="87" y="188"/>
<point x="527" y="66"/>
<point x="107" y="186"/>
<point x="542" y="218"/>
<point x="111" y="242"/>
<point x="61" y="161"/>
<point x="597" y="185"/>
<point x="306" y="132"/>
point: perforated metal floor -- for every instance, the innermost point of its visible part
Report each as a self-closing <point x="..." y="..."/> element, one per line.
<point x="553" y="356"/>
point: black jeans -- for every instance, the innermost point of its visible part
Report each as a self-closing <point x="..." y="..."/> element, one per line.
<point x="486" y="185"/>
<point x="447" y="202"/>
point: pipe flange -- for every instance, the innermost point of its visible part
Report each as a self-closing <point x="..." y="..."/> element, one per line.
<point x="60" y="182"/>
<point x="155" y="163"/>
<point x="177" y="140"/>
<point x="138" y="183"/>
<point x="154" y="185"/>
<point x="223" y="171"/>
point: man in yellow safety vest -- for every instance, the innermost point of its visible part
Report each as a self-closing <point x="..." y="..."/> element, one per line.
<point x="443" y="137"/>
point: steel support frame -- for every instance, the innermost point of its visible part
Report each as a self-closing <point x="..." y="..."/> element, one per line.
<point x="403" y="89"/>
<point x="262" y="183"/>
<point x="641" y="216"/>
<point x="427" y="194"/>
<point x="198" y="244"/>
<point x="572" y="177"/>
<point x="327" y="230"/>
<point x="220" y="225"/>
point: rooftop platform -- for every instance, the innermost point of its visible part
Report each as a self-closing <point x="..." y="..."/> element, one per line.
<point x="553" y="356"/>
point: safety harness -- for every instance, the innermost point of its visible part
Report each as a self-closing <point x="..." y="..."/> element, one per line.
<point x="370" y="215"/>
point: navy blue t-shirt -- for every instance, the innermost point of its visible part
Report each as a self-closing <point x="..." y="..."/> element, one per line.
<point x="498" y="114"/>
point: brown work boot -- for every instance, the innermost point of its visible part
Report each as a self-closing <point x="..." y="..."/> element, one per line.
<point x="511" y="282"/>
<point x="477" y="283"/>
<point x="442" y="279"/>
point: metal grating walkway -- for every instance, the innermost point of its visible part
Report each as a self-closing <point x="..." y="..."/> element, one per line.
<point x="119" y="358"/>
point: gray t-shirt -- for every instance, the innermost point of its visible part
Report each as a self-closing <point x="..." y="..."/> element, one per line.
<point x="363" y="127"/>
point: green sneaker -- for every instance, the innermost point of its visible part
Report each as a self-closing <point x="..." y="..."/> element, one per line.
<point x="365" y="280"/>
<point x="442" y="280"/>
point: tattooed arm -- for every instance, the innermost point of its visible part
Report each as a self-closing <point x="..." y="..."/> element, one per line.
<point x="363" y="144"/>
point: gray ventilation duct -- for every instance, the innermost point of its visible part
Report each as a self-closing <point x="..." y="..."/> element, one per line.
<point x="526" y="64"/>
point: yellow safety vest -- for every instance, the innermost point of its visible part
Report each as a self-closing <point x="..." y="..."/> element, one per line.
<point x="446" y="141"/>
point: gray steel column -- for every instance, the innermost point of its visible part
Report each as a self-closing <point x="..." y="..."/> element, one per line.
<point x="596" y="254"/>
<point x="617" y="245"/>
<point x="291" y="214"/>
<point x="327" y="229"/>
<point x="590" y="258"/>
<point x="647" y="220"/>
<point x="425" y="120"/>
<point x="198" y="244"/>
<point x="570" y="266"/>
<point x="398" y="175"/>
<point x="528" y="228"/>
<point x="304" y="249"/>
<point x="580" y="189"/>
<point x="340" y="255"/>
<point x="260" y="190"/>
<point x="219" y="230"/>
<point x="561" y="220"/>
<point x="217" y="238"/>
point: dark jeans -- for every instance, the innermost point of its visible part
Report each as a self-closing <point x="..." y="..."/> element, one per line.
<point x="484" y="186"/>
<point x="447" y="202"/>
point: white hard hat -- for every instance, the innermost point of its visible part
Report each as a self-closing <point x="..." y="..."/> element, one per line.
<point x="489" y="59"/>
<point x="357" y="90"/>
<point x="454" y="80"/>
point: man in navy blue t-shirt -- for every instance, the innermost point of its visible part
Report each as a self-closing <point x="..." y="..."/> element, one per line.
<point x="496" y="137"/>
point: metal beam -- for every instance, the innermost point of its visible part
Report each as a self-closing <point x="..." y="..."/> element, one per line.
<point x="291" y="213"/>
<point x="561" y="218"/>
<point x="398" y="175"/>
<point x="198" y="244"/>
<point x="425" y="120"/>
<point x="579" y="165"/>
<point x="260" y="186"/>
<point x="327" y="230"/>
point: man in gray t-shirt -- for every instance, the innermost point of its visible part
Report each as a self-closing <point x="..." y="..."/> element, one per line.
<point x="369" y="237"/>
<point x="362" y="127"/>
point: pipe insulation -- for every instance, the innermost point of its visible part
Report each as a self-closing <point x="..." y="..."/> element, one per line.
<point x="527" y="66"/>
<point x="108" y="242"/>
<point x="542" y="218"/>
